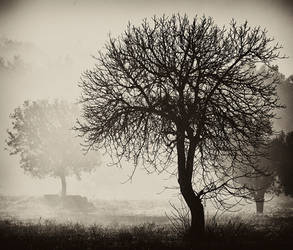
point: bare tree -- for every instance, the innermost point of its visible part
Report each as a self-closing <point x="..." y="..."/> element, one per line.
<point x="185" y="97"/>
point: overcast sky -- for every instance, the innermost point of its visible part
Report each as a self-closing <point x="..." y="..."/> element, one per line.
<point x="55" y="40"/>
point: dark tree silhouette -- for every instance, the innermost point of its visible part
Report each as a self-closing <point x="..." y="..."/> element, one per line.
<point x="43" y="137"/>
<point x="276" y="162"/>
<point x="285" y="167"/>
<point x="261" y="178"/>
<point x="187" y="93"/>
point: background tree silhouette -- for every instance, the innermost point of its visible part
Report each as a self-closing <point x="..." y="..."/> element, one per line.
<point x="285" y="167"/>
<point x="275" y="170"/>
<point x="43" y="137"/>
<point x="262" y="178"/>
<point x="184" y="96"/>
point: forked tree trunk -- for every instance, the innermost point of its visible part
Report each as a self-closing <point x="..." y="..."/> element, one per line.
<point x="259" y="201"/>
<point x="185" y="171"/>
<point x="63" y="183"/>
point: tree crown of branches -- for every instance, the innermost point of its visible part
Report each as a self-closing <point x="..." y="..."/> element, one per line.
<point x="177" y="81"/>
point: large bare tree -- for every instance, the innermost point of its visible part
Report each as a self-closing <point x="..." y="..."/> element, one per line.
<point x="184" y="93"/>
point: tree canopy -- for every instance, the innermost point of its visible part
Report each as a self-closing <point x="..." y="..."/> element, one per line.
<point x="175" y="91"/>
<point x="43" y="137"/>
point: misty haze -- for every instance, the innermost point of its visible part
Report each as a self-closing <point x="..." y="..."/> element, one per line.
<point x="146" y="124"/>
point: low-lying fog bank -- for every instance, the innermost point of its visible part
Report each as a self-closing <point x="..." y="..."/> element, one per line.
<point x="108" y="212"/>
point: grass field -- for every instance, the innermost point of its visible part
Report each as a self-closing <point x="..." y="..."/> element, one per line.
<point x="229" y="232"/>
<point x="28" y="223"/>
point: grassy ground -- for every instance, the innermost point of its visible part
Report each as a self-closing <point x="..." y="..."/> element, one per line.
<point x="274" y="231"/>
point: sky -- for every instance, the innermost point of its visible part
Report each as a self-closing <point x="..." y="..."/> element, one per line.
<point x="55" y="41"/>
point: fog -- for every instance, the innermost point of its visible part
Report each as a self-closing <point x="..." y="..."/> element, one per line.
<point x="50" y="43"/>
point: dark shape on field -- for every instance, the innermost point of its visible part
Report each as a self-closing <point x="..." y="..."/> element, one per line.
<point x="183" y="92"/>
<point x="43" y="137"/>
<point x="70" y="202"/>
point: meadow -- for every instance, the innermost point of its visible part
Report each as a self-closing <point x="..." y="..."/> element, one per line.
<point x="273" y="230"/>
<point x="230" y="232"/>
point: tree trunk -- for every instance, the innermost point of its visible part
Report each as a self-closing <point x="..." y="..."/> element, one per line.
<point x="196" y="231"/>
<point x="63" y="183"/>
<point x="185" y="171"/>
<point x="197" y="219"/>
<point x="259" y="201"/>
<point x="259" y="206"/>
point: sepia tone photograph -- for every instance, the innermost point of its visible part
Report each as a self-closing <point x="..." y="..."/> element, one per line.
<point x="146" y="124"/>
